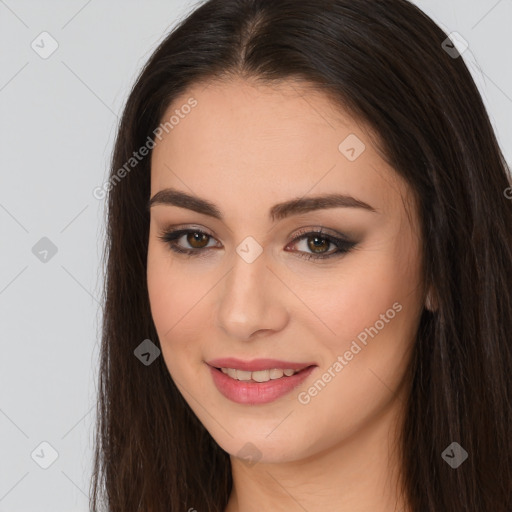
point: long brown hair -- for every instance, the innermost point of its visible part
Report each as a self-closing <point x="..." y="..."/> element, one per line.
<point x="388" y="64"/>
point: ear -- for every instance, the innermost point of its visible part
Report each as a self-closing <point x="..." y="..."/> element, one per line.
<point x="431" y="302"/>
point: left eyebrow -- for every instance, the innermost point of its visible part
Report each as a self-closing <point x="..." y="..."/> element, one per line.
<point x="279" y="211"/>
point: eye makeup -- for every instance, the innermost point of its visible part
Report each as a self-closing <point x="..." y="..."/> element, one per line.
<point x="315" y="238"/>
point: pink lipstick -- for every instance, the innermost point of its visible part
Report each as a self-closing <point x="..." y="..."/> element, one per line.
<point x="250" y="391"/>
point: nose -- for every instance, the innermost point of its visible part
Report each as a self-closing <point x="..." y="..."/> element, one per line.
<point x="252" y="300"/>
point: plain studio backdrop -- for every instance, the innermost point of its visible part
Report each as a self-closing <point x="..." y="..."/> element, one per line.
<point x="65" y="71"/>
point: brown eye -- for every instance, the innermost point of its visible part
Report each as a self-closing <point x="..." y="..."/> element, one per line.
<point x="187" y="241"/>
<point x="316" y="244"/>
<point x="319" y="244"/>
<point x="196" y="243"/>
<point x="197" y="240"/>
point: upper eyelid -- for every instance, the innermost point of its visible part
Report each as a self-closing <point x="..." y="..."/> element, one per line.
<point x="314" y="230"/>
<point x="335" y="239"/>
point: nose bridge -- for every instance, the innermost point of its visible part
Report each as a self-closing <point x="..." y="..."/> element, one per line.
<point x="249" y="299"/>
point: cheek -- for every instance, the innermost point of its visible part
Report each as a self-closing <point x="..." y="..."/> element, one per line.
<point x="373" y="316"/>
<point x="172" y="288"/>
<point x="365" y="291"/>
<point x="175" y="301"/>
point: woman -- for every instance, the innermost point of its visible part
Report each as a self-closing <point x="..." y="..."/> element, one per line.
<point x="309" y="259"/>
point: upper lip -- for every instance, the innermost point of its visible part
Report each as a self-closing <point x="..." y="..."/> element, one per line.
<point x="256" y="364"/>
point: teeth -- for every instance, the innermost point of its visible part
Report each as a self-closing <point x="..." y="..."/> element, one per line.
<point x="242" y="375"/>
<point x="259" y="376"/>
<point x="276" y="373"/>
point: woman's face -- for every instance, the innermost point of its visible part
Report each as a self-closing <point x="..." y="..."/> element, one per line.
<point x="260" y="284"/>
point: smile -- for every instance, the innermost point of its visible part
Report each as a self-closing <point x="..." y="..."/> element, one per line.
<point x="260" y="386"/>
<point x="259" y="376"/>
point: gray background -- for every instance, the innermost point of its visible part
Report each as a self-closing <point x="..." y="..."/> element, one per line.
<point x="57" y="124"/>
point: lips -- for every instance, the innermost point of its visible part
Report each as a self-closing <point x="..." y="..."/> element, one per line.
<point x="250" y="392"/>
<point x="257" y="364"/>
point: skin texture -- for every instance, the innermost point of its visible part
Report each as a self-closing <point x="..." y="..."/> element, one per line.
<point x="245" y="147"/>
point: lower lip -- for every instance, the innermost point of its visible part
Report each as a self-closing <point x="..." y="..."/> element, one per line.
<point x="249" y="392"/>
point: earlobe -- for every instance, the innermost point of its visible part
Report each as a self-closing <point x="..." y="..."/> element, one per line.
<point x="431" y="302"/>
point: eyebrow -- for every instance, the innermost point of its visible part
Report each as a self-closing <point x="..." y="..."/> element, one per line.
<point x="173" y="197"/>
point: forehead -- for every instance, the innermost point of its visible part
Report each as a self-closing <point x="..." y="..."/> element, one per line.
<point x="268" y="144"/>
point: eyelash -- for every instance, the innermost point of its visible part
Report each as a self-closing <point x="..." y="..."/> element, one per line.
<point x="343" y="246"/>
